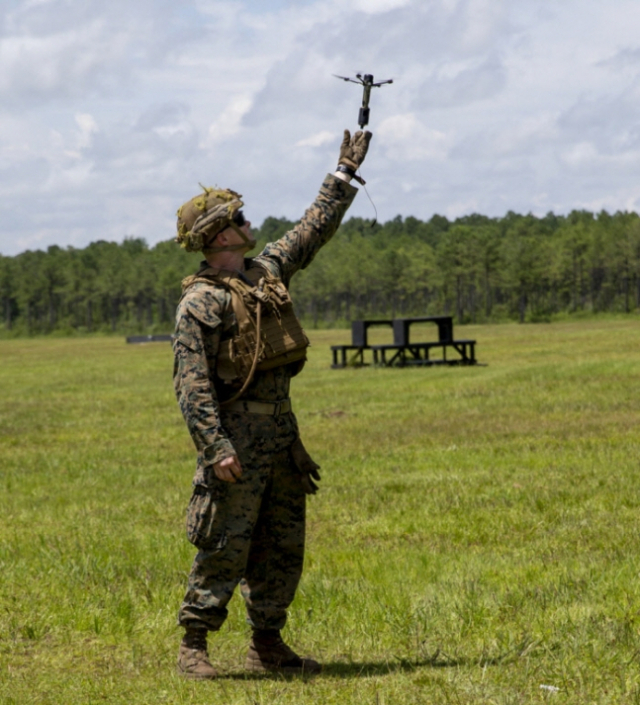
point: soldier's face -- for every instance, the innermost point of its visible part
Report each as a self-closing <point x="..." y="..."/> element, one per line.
<point x="246" y="229"/>
<point x="231" y="237"/>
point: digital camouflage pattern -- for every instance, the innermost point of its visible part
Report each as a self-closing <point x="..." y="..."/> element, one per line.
<point x="205" y="315"/>
<point x="251" y="531"/>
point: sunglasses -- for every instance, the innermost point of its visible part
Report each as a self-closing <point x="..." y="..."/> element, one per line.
<point x="238" y="218"/>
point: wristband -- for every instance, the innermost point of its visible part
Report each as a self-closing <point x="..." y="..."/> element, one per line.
<point x="350" y="172"/>
<point x="346" y="170"/>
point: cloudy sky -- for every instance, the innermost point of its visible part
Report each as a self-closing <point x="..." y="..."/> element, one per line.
<point x="112" y="112"/>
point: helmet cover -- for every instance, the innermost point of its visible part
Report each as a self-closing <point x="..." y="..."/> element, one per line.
<point x="204" y="216"/>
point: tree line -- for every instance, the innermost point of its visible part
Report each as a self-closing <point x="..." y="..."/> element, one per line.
<point x="476" y="268"/>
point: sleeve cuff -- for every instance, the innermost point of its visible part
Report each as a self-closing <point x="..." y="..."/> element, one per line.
<point x="217" y="451"/>
<point x="344" y="187"/>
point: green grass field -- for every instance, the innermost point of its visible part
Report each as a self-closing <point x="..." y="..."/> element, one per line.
<point x="476" y="537"/>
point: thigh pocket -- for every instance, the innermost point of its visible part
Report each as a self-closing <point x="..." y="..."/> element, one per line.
<point x="205" y="520"/>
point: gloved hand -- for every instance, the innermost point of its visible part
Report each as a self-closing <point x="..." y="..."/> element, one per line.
<point x="353" y="150"/>
<point x="306" y="466"/>
<point x="307" y="480"/>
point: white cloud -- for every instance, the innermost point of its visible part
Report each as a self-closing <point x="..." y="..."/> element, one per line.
<point x="580" y="154"/>
<point x="495" y="105"/>
<point x="485" y="21"/>
<point x="318" y="140"/>
<point x="229" y="122"/>
<point x="378" y="6"/>
<point x="88" y="127"/>
<point x="405" y="139"/>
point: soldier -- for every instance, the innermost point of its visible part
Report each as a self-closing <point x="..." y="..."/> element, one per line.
<point x="237" y="344"/>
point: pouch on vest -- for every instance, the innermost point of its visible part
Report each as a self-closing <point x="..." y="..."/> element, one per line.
<point x="282" y="339"/>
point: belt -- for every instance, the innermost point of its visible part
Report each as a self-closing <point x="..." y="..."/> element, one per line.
<point x="260" y="407"/>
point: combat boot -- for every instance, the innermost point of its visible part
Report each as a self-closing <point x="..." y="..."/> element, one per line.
<point x="193" y="659"/>
<point x="268" y="652"/>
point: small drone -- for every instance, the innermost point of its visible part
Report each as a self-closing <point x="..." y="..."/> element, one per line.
<point x="366" y="81"/>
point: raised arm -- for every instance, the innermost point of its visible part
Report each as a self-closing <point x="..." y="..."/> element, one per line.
<point x="297" y="248"/>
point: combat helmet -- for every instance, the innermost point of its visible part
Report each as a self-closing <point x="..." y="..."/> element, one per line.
<point x="204" y="216"/>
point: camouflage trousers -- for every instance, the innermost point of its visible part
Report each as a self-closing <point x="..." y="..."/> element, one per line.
<point x="249" y="532"/>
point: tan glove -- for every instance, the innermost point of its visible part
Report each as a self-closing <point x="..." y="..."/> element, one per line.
<point x="353" y="150"/>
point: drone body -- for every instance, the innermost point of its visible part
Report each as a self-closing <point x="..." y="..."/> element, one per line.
<point x="366" y="81"/>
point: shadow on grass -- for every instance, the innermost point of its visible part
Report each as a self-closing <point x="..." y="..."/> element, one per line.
<point x="357" y="669"/>
<point x="438" y="660"/>
<point x="363" y="669"/>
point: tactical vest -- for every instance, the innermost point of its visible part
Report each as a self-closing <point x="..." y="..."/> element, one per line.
<point x="282" y="339"/>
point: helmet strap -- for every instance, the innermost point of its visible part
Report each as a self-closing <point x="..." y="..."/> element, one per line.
<point x="229" y="248"/>
<point x="240" y="232"/>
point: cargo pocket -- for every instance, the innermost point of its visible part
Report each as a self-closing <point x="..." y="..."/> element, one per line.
<point x="205" y="520"/>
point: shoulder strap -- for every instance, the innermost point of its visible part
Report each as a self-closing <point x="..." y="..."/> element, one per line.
<point x="209" y="275"/>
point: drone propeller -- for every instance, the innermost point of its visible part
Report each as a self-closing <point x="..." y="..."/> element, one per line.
<point x="345" y="78"/>
<point x="366" y="81"/>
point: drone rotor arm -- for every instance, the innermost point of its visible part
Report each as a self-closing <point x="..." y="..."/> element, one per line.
<point x="345" y="78"/>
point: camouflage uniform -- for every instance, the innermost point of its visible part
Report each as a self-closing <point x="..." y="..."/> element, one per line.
<point x="251" y="531"/>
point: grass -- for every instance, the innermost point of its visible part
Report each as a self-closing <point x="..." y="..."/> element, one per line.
<point x="476" y="536"/>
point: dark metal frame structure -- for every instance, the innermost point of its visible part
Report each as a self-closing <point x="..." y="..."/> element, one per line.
<point x="403" y="352"/>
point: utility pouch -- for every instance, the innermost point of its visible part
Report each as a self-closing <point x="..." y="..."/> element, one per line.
<point x="206" y="525"/>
